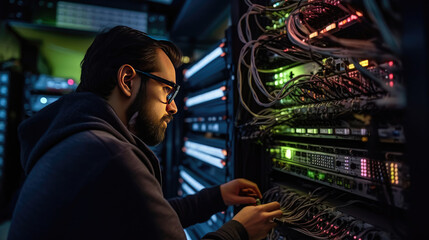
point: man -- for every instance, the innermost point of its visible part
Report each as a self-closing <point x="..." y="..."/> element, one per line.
<point x="89" y="172"/>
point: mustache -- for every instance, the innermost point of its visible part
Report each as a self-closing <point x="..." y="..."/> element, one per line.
<point x="167" y="118"/>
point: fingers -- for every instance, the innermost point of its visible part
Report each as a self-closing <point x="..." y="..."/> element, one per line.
<point x="274" y="214"/>
<point x="245" y="200"/>
<point x="250" y="187"/>
<point x="269" y="207"/>
<point x="248" y="192"/>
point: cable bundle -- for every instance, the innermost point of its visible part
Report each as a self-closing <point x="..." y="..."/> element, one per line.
<point x="306" y="214"/>
<point x="283" y="34"/>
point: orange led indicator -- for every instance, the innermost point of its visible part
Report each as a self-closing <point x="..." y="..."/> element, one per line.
<point x="312" y="35"/>
<point x="224" y="152"/>
<point x="342" y="23"/>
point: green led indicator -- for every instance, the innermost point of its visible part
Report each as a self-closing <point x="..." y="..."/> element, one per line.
<point x="312" y="130"/>
<point x="310" y="174"/>
<point x="276" y="76"/>
<point x="288" y="154"/>
<point x="321" y="176"/>
<point x="326" y="131"/>
<point x="300" y="130"/>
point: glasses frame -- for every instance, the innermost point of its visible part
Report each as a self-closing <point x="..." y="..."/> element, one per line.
<point x="175" y="87"/>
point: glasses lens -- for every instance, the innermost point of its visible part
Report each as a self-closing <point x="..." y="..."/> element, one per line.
<point x="172" y="95"/>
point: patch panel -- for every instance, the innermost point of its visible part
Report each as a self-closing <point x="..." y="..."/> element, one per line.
<point x="347" y="183"/>
<point x="347" y="161"/>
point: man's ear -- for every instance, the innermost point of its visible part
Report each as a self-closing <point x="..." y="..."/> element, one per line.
<point x="126" y="73"/>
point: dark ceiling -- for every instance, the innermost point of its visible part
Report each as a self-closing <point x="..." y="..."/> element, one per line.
<point x="201" y="21"/>
<point x="194" y="24"/>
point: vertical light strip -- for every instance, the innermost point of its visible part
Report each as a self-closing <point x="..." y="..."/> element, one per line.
<point x="363" y="168"/>
<point x="203" y="62"/>
<point x="396" y="174"/>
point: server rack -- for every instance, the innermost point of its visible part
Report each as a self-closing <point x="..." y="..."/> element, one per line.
<point x="11" y="111"/>
<point x="208" y="138"/>
<point x="322" y="106"/>
<point x="42" y="89"/>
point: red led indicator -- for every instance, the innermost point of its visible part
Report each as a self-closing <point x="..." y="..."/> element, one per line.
<point x="391" y="83"/>
<point x="390" y="63"/>
<point x="70" y="81"/>
<point x="390" y="76"/>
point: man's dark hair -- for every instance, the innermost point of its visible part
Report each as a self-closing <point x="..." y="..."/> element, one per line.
<point x="118" y="46"/>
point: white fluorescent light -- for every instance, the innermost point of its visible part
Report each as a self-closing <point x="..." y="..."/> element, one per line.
<point x="203" y="62"/>
<point x="188" y="190"/>
<point x="214" y="218"/>
<point x="217" y="152"/>
<point x="187" y="235"/>
<point x="214" y="161"/>
<point x="194" y="183"/>
<point x="205" y="97"/>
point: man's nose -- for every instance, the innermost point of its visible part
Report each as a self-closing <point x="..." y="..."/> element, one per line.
<point x="172" y="108"/>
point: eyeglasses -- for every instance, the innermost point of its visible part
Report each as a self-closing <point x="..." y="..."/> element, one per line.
<point x="174" y="87"/>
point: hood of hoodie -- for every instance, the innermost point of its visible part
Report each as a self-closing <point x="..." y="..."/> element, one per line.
<point x="72" y="113"/>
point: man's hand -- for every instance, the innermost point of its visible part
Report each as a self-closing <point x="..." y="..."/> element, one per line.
<point x="258" y="220"/>
<point x="239" y="191"/>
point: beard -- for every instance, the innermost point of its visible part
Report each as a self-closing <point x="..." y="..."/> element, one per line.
<point x="142" y="123"/>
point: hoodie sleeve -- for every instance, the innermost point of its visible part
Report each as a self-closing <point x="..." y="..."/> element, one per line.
<point x="198" y="207"/>
<point x="231" y="230"/>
